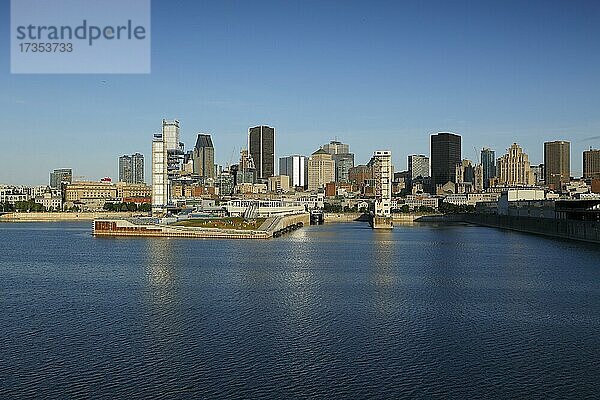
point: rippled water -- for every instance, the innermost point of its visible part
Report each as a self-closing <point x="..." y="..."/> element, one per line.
<point x="336" y="311"/>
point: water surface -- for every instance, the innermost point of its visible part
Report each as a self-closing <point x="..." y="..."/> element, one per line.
<point x="334" y="311"/>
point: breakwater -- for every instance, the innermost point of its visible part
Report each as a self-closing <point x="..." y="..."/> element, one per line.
<point x="354" y="217"/>
<point x="588" y="231"/>
<point x="272" y="227"/>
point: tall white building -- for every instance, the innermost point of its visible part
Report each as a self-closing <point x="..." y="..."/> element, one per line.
<point x="383" y="174"/>
<point x="166" y="156"/>
<point x="296" y="168"/>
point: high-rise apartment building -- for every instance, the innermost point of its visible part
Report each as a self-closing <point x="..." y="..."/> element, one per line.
<point x="591" y="164"/>
<point x="131" y="168"/>
<point x="261" y="146"/>
<point x="296" y="167"/>
<point x="58" y="176"/>
<point x="445" y="155"/>
<point x="418" y="166"/>
<point x="513" y="168"/>
<point x="204" y="156"/>
<point x="557" y="162"/>
<point x="488" y="164"/>
<point x="167" y="154"/>
<point x="383" y="175"/>
<point x="321" y="170"/>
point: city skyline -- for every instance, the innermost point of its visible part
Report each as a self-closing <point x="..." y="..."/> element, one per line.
<point x="550" y="92"/>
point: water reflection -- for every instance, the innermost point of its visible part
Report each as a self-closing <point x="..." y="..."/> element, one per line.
<point x="384" y="273"/>
<point x="160" y="269"/>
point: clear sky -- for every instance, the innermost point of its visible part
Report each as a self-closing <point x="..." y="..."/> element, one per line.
<point x="376" y="75"/>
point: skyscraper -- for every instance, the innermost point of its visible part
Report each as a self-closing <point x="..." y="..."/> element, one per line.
<point x="296" y="167"/>
<point x="125" y="174"/>
<point x="591" y="164"/>
<point x="343" y="162"/>
<point x="204" y="156"/>
<point x="514" y="168"/>
<point x="488" y="163"/>
<point x="58" y="176"/>
<point x="343" y="159"/>
<point x="418" y="166"/>
<point x="321" y="169"/>
<point x="335" y="147"/>
<point x="261" y="145"/>
<point x="131" y="168"/>
<point x="167" y="153"/>
<point x="557" y="162"/>
<point x="445" y="155"/>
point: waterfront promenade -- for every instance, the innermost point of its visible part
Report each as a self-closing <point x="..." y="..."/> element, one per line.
<point x="64" y="216"/>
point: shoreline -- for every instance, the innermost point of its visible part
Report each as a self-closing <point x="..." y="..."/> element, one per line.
<point x="65" y="216"/>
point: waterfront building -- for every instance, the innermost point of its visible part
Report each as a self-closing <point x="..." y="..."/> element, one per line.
<point x="488" y="162"/>
<point x="296" y="167"/>
<point x="261" y="146"/>
<point x="383" y="175"/>
<point x="414" y="202"/>
<point x="51" y="200"/>
<point x="167" y="154"/>
<point x="204" y="157"/>
<point x="418" y="166"/>
<point x="321" y="170"/>
<point x="514" y="168"/>
<point x="133" y="190"/>
<point x="131" y="168"/>
<point x="445" y="154"/>
<point x="279" y="184"/>
<point x="557" y="162"/>
<point x="263" y="208"/>
<point x="77" y="191"/>
<point x="591" y="164"/>
<point x="59" y="176"/>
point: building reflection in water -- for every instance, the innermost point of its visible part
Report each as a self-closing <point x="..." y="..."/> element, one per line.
<point x="384" y="275"/>
<point x="160" y="269"/>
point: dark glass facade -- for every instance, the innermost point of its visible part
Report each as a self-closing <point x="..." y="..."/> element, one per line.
<point x="261" y="145"/>
<point x="445" y="155"/>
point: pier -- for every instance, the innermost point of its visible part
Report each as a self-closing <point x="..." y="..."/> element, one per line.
<point x="272" y="227"/>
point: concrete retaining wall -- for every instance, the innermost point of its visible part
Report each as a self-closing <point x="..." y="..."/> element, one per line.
<point x="64" y="216"/>
<point x="588" y="231"/>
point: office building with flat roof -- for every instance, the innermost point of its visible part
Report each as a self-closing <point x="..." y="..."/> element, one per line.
<point x="557" y="163"/>
<point x="445" y="155"/>
<point x="261" y="146"/>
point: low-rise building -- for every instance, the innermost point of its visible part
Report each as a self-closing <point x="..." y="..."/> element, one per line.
<point x="51" y="200"/>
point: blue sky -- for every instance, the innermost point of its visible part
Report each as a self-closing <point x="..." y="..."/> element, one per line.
<point x="377" y="75"/>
